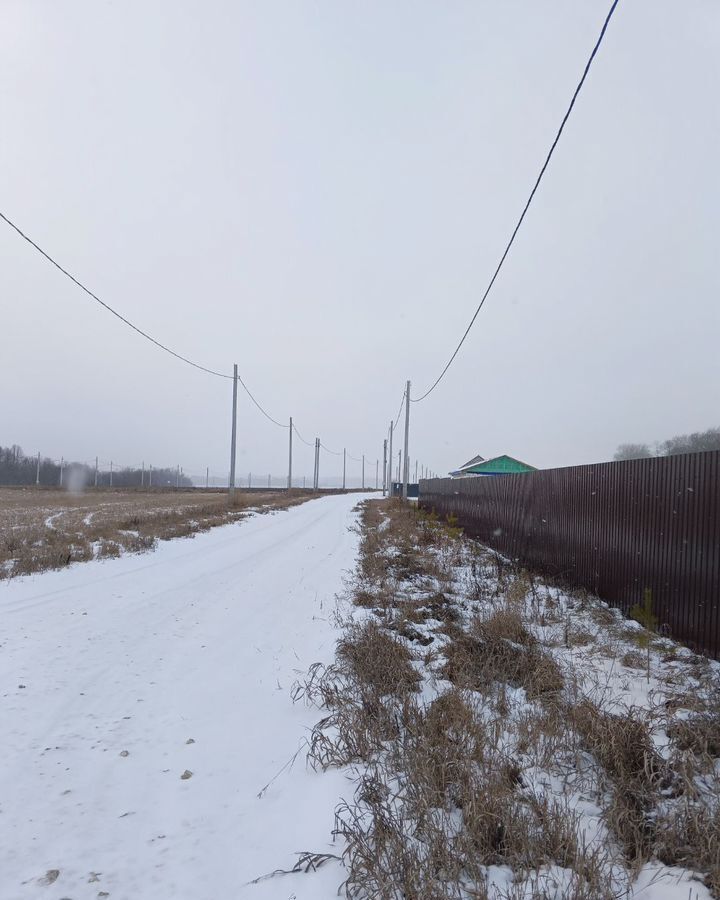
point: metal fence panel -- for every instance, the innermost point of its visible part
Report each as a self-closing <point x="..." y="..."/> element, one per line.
<point x="617" y="529"/>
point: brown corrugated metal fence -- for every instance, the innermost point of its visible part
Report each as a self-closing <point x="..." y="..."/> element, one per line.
<point x="615" y="528"/>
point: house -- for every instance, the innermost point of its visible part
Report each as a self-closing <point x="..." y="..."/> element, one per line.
<point x="498" y="465"/>
<point x="464" y="469"/>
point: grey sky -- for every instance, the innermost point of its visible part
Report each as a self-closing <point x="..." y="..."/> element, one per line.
<point x="320" y="191"/>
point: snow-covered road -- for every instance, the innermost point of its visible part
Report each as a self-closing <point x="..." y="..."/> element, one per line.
<point x="119" y="677"/>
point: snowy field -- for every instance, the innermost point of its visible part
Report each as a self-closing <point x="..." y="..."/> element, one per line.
<point x="145" y="706"/>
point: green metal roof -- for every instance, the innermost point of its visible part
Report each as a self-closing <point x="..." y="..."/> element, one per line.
<point x="500" y="465"/>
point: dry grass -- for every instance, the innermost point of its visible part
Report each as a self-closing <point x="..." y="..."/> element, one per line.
<point x="690" y="836"/>
<point x="454" y="779"/>
<point x="41" y="529"/>
<point x="499" y="648"/>
<point x="375" y="659"/>
<point x="700" y="733"/>
<point x="623" y="746"/>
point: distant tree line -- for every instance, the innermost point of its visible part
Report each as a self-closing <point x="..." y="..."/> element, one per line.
<point x="17" y="469"/>
<point x="681" y="443"/>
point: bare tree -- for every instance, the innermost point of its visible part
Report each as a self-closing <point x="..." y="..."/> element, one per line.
<point x="692" y="443"/>
<point x="633" y="451"/>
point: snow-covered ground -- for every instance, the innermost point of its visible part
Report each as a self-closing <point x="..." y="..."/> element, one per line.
<point x="144" y="705"/>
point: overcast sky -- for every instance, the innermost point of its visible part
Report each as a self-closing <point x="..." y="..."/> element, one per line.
<point x="320" y="191"/>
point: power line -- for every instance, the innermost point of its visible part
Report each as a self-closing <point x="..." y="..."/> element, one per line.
<point x="527" y="205"/>
<point x="397" y="417"/>
<point x="135" y="327"/>
<point x="109" y="308"/>
<point x="328" y="450"/>
<point x="307" y="443"/>
<point x="264" y="412"/>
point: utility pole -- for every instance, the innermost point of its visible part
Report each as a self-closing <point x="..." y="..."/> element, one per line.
<point x="316" y="476"/>
<point x="344" y="463"/>
<point x="290" y="456"/>
<point x="207" y="477"/>
<point x="37" y="470"/>
<point x="231" y="483"/>
<point x="384" y="466"/>
<point x="390" y="462"/>
<point x="96" y="470"/>
<point x="61" y="470"/>
<point x="142" y="475"/>
<point x="249" y="479"/>
<point x="303" y="482"/>
<point x="415" y="471"/>
<point x="398" y="468"/>
<point x="268" y="480"/>
<point x="110" y="473"/>
<point x="177" y="478"/>
<point x="363" y="471"/>
<point x="406" y="461"/>
<point x="150" y="477"/>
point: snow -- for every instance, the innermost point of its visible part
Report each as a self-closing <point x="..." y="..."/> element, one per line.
<point x="118" y="676"/>
<point x="593" y="669"/>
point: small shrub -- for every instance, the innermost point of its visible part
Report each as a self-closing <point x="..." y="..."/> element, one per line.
<point x="700" y="733"/>
<point x="378" y="660"/>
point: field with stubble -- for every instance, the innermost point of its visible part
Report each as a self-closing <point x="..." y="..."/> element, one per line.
<point x="49" y="529"/>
